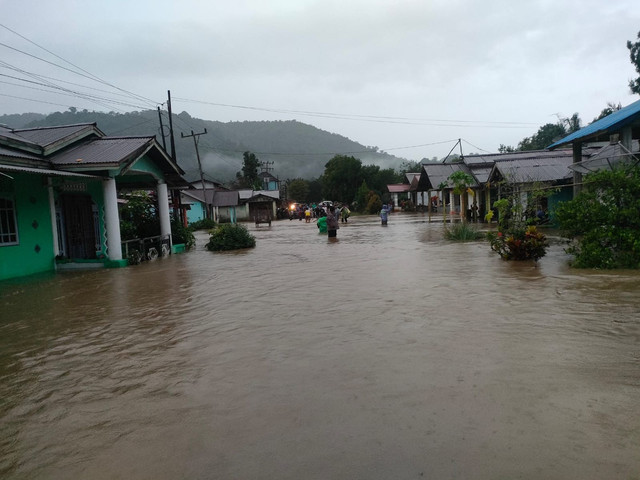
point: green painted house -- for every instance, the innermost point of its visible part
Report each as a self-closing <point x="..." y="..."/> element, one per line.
<point x="59" y="191"/>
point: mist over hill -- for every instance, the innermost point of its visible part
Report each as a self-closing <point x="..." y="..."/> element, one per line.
<point x="293" y="149"/>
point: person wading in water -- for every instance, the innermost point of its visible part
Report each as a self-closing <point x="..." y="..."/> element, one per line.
<point x="332" y="222"/>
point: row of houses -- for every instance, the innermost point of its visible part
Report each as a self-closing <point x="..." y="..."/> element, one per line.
<point x="602" y="144"/>
<point x="60" y="187"/>
<point x="212" y="200"/>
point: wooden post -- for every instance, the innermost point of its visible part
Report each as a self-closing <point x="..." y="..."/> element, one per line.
<point x="577" y="176"/>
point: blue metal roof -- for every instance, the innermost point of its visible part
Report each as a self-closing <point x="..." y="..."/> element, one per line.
<point x="610" y="123"/>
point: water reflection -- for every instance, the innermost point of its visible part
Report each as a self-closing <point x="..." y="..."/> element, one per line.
<point x="389" y="354"/>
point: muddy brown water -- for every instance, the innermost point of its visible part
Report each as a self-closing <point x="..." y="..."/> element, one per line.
<point x="389" y="354"/>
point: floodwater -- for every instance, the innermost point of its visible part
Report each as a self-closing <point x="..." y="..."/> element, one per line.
<point x="389" y="354"/>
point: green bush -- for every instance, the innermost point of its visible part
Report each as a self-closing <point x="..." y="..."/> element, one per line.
<point x="204" y="224"/>
<point x="230" y="237"/>
<point x="182" y="234"/>
<point x="602" y="222"/>
<point x="462" y="232"/>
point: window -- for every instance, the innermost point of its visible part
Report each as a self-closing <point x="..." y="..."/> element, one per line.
<point x="8" y="225"/>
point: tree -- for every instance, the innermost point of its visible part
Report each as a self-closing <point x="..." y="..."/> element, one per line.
<point x="315" y="190"/>
<point x="361" y="196"/>
<point x="546" y="135"/>
<point x="298" y="190"/>
<point x="341" y="178"/>
<point x="608" y="110"/>
<point x="603" y="222"/>
<point x="248" y="177"/>
<point x="634" y="55"/>
<point x="571" y="124"/>
<point x="506" y="149"/>
<point x="460" y="182"/>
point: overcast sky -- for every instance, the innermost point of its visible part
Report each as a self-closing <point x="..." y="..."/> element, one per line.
<point x="385" y="73"/>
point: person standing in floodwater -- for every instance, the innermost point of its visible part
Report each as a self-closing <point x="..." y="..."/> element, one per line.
<point x="332" y="222"/>
<point x="384" y="214"/>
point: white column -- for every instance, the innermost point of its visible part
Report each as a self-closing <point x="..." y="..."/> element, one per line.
<point x="112" y="219"/>
<point x="163" y="209"/>
<point x="54" y="223"/>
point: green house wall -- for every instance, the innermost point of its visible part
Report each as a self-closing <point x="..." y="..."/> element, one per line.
<point x="34" y="252"/>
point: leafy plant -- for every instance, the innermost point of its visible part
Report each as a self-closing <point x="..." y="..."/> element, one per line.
<point x="602" y="222"/>
<point x="529" y="244"/>
<point x="138" y="217"/>
<point x="462" y="232"/>
<point x="182" y="234"/>
<point x="514" y="240"/>
<point x="230" y="237"/>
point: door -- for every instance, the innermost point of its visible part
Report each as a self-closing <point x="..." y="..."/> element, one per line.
<point x="79" y="226"/>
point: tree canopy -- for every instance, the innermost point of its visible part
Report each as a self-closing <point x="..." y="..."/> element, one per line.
<point x="248" y="176"/>
<point x="341" y="179"/>
<point x="634" y="56"/>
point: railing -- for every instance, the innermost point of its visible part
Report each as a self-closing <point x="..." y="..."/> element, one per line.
<point x="146" y="249"/>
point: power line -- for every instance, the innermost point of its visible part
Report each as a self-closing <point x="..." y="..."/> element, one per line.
<point x="88" y="74"/>
<point x="375" y="118"/>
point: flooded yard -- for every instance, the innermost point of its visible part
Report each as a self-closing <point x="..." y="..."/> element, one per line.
<point x="389" y="354"/>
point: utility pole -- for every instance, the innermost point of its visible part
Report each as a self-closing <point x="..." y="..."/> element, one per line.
<point x="204" y="190"/>
<point x="173" y="142"/>
<point x="164" y="142"/>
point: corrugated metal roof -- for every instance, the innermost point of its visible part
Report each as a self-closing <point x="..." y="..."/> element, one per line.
<point x="8" y="152"/>
<point x="42" y="171"/>
<point x="534" y="169"/>
<point x="226" y="199"/>
<point x="481" y="174"/>
<point x="102" y="151"/>
<point x="437" y="173"/>
<point x="9" y="134"/>
<point x="609" y="124"/>
<point x="607" y="158"/>
<point x="44" y="136"/>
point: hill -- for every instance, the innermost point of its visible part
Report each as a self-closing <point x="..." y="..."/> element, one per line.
<point x="296" y="150"/>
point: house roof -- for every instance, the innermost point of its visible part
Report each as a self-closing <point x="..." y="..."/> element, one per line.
<point x="608" y="156"/>
<point x="246" y="194"/>
<point x="199" y="195"/>
<point x="261" y="197"/>
<point x="539" y="165"/>
<point x="435" y="174"/>
<point x="398" y="187"/>
<point x="103" y="151"/>
<point x="43" y="171"/>
<point x="10" y="152"/>
<point x="46" y="136"/>
<point x="610" y="124"/>
<point x="533" y="169"/>
<point x="84" y="148"/>
<point x="226" y="199"/>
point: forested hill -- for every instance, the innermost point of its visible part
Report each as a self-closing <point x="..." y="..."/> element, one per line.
<point x="297" y="150"/>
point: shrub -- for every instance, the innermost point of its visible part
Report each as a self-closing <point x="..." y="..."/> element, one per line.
<point x="462" y="232"/>
<point x="204" y="224"/>
<point x="374" y="204"/>
<point x="182" y="234"/>
<point x="527" y="244"/>
<point x="602" y="222"/>
<point x="230" y="237"/>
